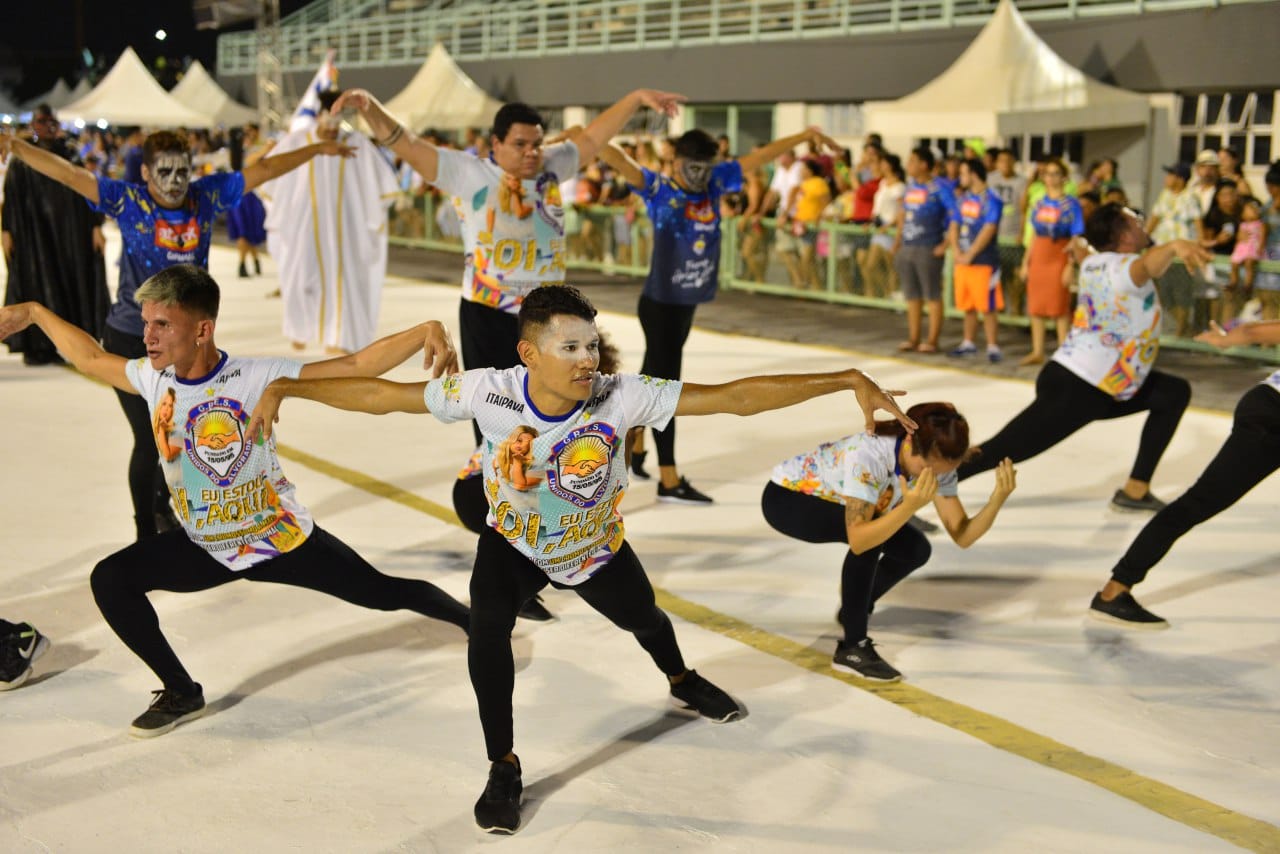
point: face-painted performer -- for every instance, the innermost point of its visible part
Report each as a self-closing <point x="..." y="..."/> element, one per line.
<point x="684" y="270"/>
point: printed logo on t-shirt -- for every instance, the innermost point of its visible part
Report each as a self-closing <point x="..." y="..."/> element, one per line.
<point x="916" y="196"/>
<point x="971" y="209"/>
<point x="178" y="236"/>
<point x="700" y="211"/>
<point x="579" y="471"/>
<point x="215" y="439"/>
<point x="1048" y="214"/>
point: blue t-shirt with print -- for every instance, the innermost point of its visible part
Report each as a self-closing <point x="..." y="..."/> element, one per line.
<point x="925" y="210"/>
<point x="156" y="237"/>
<point x="1057" y="219"/>
<point x="686" y="235"/>
<point x="974" y="211"/>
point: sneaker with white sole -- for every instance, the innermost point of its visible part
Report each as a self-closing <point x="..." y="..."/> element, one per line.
<point x="498" y="810"/>
<point x="167" y="710"/>
<point x="696" y="694"/>
<point x="862" y="660"/>
<point x="18" y="652"/>
<point x="1147" y="503"/>
<point x="682" y="493"/>
<point x="1125" y="611"/>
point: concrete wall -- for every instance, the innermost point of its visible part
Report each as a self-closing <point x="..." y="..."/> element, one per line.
<point x="1231" y="47"/>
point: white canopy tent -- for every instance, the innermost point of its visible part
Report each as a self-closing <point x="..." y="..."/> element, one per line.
<point x="129" y="95"/>
<point x="202" y="93"/>
<point x="1007" y="83"/>
<point x="442" y="96"/>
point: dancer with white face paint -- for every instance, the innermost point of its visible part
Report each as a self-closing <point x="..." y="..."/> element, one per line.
<point x="561" y="523"/>
<point x="685" y="268"/>
<point x="327" y="230"/>
<point x="165" y="222"/>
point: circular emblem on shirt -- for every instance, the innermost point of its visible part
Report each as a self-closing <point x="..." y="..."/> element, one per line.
<point x="579" y="470"/>
<point x="215" y="439"/>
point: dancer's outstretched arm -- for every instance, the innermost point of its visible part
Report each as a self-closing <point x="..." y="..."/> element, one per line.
<point x="72" y="341"/>
<point x="964" y="529"/>
<point x="761" y="394"/>
<point x="1258" y="332"/>
<point x="432" y="337"/>
<point x="354" y="394"/>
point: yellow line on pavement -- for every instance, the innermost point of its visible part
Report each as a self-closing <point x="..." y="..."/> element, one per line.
<point x="1187" y="809"/>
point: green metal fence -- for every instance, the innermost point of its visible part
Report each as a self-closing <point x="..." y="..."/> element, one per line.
<point x="609" y="240"/>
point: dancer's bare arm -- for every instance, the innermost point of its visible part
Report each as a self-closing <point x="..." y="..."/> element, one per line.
<point x="760" y="394"/>
<point x="52" y="166"/>
<point x="610" y="123"/>
<point x="72" y="341"/>
<point x="354" y="394"/>
<point x="966" y="530"/>
<point x="773" y="150"/>
<point x="404" y="143"/>
<point x="273" y="167"/>
<point x="1260" y="332"/>
<point x="866" y="532"/>
<point x="432" y="338"/>
<point x="1155" y="261"/>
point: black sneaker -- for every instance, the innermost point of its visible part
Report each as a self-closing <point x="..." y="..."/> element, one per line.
<point x="1125" y="611"/>
<point x="1148" y="502"/>
<point x="637" y="466"/>
<point x="535" y="610"/>
<point x="862" y="660"/>
<point x="695" y="694"/>
<point x="18" y="651"/>
<point x="682" y="493"/>
<point x="167" y="710"/>
<point x="257" y="267"/>
<point x="498" y="810"/>
<point x="243" y="273"/>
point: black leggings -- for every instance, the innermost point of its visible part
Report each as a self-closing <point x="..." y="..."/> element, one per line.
<point x="1250" y="454"/>
<point x="666" y="328"/>
<point x="1064" y="403"/>
<point x="488" y="338"/>
<point x="865" y="577"/>
<point x="147" y="487"/>
<point x="170" y="561"/>
<point x="470" y="504"/>
<point x="503" y="579"/>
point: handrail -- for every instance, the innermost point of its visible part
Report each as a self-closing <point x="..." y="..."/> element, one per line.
<point x="475" y="30"/>
<point x="833" y="288"/>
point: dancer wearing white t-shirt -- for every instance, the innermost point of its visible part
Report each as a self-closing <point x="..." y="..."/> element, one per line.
<point x="510" y="208"/>
<point x="554" y="473"/>
<point x="862" y="490"/>
<point x="1248" y="457"/>
<point x="239" y="515"/>
<point x="1104" y="369"/>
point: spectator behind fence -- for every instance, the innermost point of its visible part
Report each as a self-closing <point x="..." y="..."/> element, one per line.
<point x="1205" y="184"/>
<point x="1251" y="239"/>
<point x="1218" y="234"/>
<point x="919" y="247"/>
<point x="1176" y="216"/>
<point x="1268" y="283"/>
<point x="1229" y="169"/>
<point x="753" y="244"/>
<point x="879" y="277"/>
<point x="809" y="199"/>
<point x="1011" y="188"/>
<point x="1055" y="219"/>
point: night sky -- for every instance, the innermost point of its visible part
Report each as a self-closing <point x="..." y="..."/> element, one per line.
<point x="39" y="37"/>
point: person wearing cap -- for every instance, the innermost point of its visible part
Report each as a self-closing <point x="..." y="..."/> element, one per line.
<point x="1206" y="183"/>
<point x="1176" y="216"/>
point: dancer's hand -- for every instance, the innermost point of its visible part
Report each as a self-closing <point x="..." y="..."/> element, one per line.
<point x="357" y="99"/>
<point x="872" y="397"/>
<point x="1215" y="335"/>
<point x="1006" y="480"/>
<point x="921" y="493"/>
<point x="14" y="318"/>
<point x="336" y="148"/>
<point x="1192" y="256"/>
<point x="267" y="412"/>
<point x="667" y="103"/>
<point x="817" y="139"/>
<point x="438" y="354"/>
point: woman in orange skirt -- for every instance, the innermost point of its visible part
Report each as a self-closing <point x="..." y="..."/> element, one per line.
<point x="1055" y="219"/>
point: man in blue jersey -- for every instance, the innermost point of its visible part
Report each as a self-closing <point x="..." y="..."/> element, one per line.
<point x="685" y="267"/>
<point x="972" y="232"/>
<point x="920" y="247"/>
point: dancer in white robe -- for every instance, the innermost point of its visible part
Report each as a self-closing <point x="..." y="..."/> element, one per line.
<point x="327" y="228"/>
